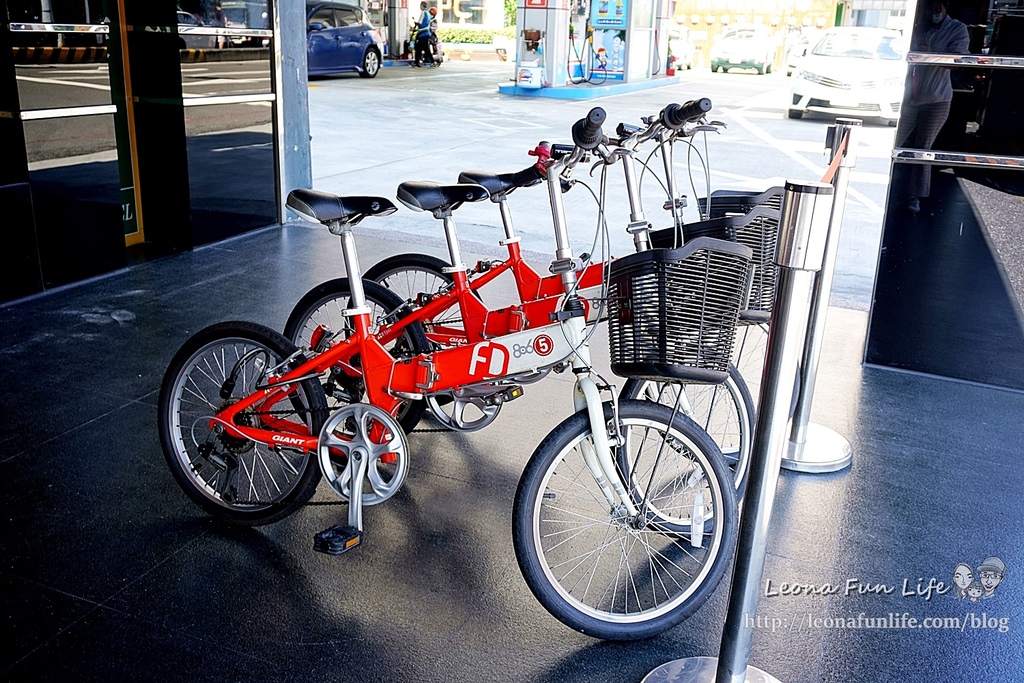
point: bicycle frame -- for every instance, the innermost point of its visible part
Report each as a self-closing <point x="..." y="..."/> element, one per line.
<point x="538" y="294"/>
<point x="389" y="380"/>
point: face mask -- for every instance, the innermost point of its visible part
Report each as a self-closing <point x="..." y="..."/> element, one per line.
<point x="937" y="18"/>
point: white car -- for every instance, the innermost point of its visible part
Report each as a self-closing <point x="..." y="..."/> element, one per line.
<point x="852" y="71"/>
<point x="744" y="46"/>
<point x="681" y="47"/>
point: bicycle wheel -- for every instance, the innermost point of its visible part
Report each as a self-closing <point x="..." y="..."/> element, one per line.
<point x="602" y="573"/>
<point x="409" y="275"/>
<point x="725" y="411"/>
<point x="232" y="478"/>
<point x="749" y="352"/>
<point x="323" y="305"/>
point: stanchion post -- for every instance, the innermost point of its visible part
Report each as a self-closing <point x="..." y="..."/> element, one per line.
<point x="813" y="447"/>
<point x="802" y="235"/>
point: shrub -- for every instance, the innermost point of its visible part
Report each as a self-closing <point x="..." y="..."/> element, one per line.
<point x="484" y="36"/>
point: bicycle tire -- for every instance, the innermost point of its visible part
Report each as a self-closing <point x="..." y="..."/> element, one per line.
<point x="749" y="353"/>
<point x="323" y="305"/>
<point x="409" y="275"/>
<point x="209" y="467"/>
<point x="725" y="411"/>
<point x="585" y="565"/>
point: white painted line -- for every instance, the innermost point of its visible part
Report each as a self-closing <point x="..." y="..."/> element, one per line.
<point x="501" y="123"/>
<point x="802" y="160"/>
<point x="93" y="86"/>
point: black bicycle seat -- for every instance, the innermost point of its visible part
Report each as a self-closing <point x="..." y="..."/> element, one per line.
<point x="500" y="184"/>
<point x="325" y="208"/>
<point x="439" y="199"/>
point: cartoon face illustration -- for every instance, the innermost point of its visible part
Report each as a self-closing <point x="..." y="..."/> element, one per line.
<point x="990" y="580"/>
<point x="975" y="591"/>
<point x="963" y="576"/>
<point x="991" y="573"/>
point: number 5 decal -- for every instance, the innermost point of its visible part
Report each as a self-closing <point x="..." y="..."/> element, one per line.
<point x="543" y="345"/>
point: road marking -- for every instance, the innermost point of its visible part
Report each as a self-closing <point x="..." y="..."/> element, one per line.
<point x="505" y="123"/>
<point x="222" y="81"/>
<point x="92" y="86"/>
<point x="800" y="159"/>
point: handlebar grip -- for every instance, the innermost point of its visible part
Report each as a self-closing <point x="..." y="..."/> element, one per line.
<point x="528" y="176"/>
<point x="586" y="133"/>
<point x="676" y="116"/>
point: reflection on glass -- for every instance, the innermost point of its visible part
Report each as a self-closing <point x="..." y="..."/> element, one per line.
<point x="248" y="74"/>
<point x="231" y="169"/>
<point x="76" y="196"/>
<point x="986" y="104"/>
<point x="929" y="92"/>
<point x="63" y="85"/>
<point x="246" y="23"/>
<point x="950" y="289"/>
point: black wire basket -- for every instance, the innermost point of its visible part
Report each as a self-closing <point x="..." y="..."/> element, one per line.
<point x="761" y="234"/>
<point x="748" y="218"/>
<point x="673" y="312"/>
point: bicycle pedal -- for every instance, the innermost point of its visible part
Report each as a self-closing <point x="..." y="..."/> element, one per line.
<point x="510" y="394"/>
<point x="337" y="539"/>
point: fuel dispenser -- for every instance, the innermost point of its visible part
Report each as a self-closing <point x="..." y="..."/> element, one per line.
<point x="572" y="42"/>
<point x="396" y="21"/>
<point x="542" y="42"/>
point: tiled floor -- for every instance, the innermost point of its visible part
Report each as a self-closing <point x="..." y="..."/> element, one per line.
<point x="110" y="573"/>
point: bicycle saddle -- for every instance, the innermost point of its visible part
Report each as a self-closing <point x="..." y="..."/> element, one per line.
<point x="438" y="199"/>
<point x="325" y="208"/>
<point x="500" y="184"/>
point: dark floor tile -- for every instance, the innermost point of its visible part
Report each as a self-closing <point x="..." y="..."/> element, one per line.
<point x="33" y="615"/>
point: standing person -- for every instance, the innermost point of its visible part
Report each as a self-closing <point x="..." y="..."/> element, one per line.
<point x="422" y="44"/>
<point x="930" y="92"/>
<point x="220" y="20"/>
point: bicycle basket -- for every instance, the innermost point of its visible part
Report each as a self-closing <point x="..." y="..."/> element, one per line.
<point x="673" y="312"/>
<point x="755" y="226"/>
<point x="761" y="235"/>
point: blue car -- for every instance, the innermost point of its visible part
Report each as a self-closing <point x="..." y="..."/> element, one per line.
<point x="339" y="39"/>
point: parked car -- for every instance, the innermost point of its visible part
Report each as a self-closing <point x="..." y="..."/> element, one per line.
<point x="681" y="47"/>
<point x="744" y="46"/>
<point x="246" y="14"/>
<point x="340" y="39"/>
<point x="190" y="40"/>
<point x="798" y="43"/>
<point x="852" y="71"/>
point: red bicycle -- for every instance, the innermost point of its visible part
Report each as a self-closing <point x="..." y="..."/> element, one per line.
<point x="445" y="297"/>
<point x="624" y="518"/>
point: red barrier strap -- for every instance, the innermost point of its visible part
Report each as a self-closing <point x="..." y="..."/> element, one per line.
<point x="834" y="166"/>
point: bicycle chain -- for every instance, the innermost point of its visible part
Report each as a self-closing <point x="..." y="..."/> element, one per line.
<point x="318" y="503"/>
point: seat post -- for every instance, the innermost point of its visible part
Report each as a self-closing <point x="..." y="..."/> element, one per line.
<point x="451" y="236"/>
<point x="355" y="275"/>
<point x="506" y="221"/>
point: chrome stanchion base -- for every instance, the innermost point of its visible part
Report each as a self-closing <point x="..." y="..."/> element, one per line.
<point x="823" y="451"/>
<point x="700" y="670"/>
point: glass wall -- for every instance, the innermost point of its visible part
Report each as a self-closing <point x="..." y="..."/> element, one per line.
<point x="137" y="142"/>
<point x="950" y="286"/>
<point x="64" y="90"/>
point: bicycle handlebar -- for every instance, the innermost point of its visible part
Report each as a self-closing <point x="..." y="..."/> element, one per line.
<point x="530" y="175"/>
<point x="675" y="116"/>
<point x="587" y="133"/>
